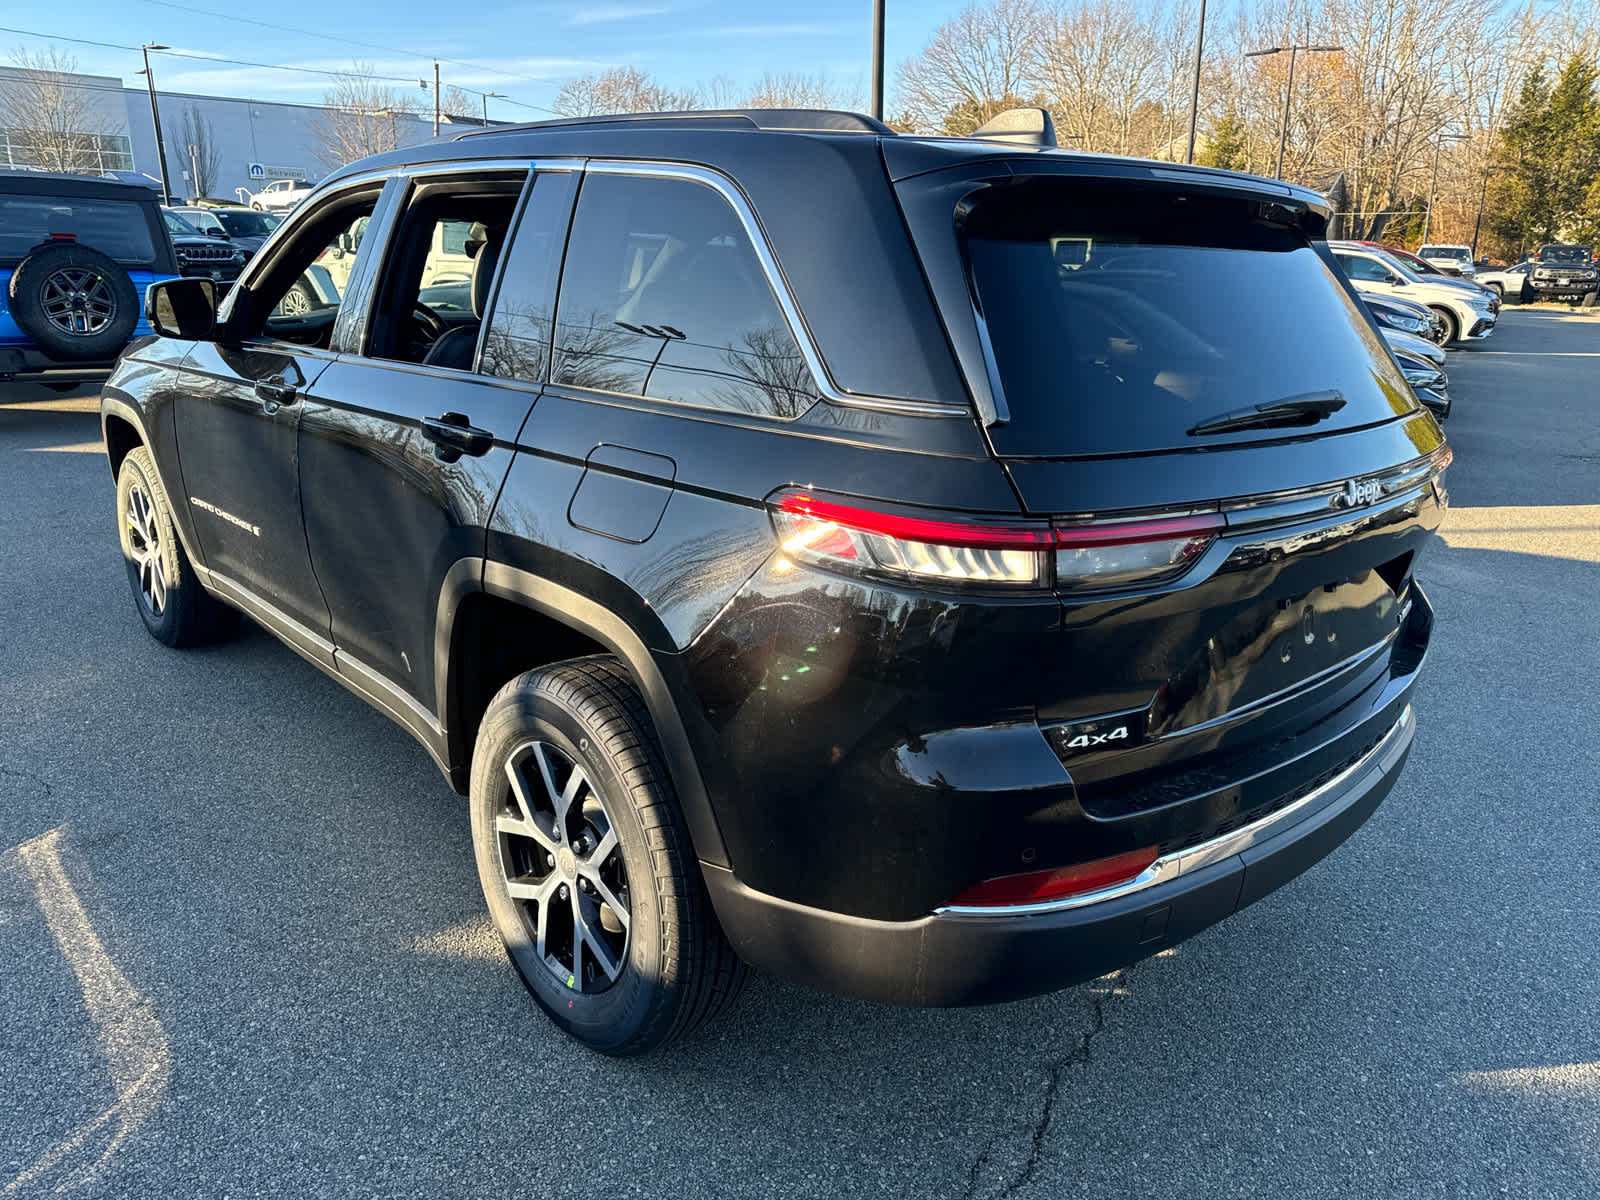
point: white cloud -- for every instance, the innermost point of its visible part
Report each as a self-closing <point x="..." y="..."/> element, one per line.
<point x="614" y="12"/>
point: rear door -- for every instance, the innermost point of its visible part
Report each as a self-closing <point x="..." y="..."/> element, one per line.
<point x="404" y="448"/>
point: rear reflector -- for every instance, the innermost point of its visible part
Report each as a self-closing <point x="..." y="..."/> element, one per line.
<point x="1104" y="554"/>
<point x="1038" y="887"/>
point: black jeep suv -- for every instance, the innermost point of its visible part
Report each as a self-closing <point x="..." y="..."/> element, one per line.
<point x="1564" y="272"/>
<point x="937" y="570"/>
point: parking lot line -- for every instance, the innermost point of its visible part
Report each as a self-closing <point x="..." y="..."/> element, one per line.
<point x="130" y="1037"/>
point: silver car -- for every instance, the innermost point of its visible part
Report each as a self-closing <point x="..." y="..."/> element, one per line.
<point x="1509" y="283"/>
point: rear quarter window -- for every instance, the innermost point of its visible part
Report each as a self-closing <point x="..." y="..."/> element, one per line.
<point x="117" y="228"/>
<point x="1123" y="314"/>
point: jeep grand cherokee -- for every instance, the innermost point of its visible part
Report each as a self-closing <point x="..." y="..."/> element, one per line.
<point x="941" y="571"/>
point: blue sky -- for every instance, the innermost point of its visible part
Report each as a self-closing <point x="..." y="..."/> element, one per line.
<point x="523" y="48"/>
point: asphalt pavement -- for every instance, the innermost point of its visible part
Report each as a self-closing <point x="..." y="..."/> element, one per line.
<point x="243" y="951"/>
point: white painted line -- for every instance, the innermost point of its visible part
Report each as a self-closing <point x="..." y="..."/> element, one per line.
<point x="131" y="1038"/>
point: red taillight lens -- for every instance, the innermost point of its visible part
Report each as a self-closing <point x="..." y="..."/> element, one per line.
<point x="1038" y="887"/>
<point x="1107" y="554"/>
<point x="1126" y="553"/>
<point x="834" y="534"/>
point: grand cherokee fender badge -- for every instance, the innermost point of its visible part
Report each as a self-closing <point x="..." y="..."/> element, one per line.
<point x="1116" y="732"/>
<point x="239" y="522"/>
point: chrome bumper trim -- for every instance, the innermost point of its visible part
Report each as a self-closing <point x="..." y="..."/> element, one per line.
<point x="1173" y="866"/>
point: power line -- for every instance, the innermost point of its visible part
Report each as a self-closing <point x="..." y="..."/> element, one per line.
<point x="236" y="62"/>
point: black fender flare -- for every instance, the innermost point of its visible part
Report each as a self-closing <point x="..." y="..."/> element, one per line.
<point x="649" y="669"/>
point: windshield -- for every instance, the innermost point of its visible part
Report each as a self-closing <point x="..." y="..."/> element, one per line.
<point x="177" y="226"/>
<point x="1457" y="253"/>
<point x="242" y="222"/>
<point x="1565" y="254"/>
<point x="1122" y="315"/>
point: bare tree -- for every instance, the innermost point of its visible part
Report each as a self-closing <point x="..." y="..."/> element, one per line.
<point x="987" y="52"/>
<point x="361" y="117"/>
<point x="49" y="115"/>
<point x="458" y="103"/>
<point x="203" y="154"/>
<point x="793" y="89"/>
<point x="620" y="90"/>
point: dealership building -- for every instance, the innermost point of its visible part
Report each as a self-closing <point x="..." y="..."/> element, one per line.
<point x="255" y="141"/>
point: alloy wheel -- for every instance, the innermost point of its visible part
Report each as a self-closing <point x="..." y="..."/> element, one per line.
<point x="144" y="546"/>
<point x="78" y="301"/>
<point x="562" y="867"/>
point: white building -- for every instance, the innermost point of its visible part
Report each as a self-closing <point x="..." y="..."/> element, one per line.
<point x="256" y="140"/>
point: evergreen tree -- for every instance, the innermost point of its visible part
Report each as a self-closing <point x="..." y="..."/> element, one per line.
<point x="1225" y="145"/>
<point x="1551" y="143"/>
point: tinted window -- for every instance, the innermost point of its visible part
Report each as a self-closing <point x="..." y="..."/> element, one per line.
<point x="246" y="223"/>
<point x="518" y="342"/>
<point x="1121" y="316"/>
<point x="117" y="228"/>
<point x="662" y="295"/>
<point x="177" y="226"/>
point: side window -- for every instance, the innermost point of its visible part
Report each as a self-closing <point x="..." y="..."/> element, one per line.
<point x="320" y="285"/>
<point x="517" y="345"/>
<point x="1362" y="269"/>
<point x="662" y="295"/>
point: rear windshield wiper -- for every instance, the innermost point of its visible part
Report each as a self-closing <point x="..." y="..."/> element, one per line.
<point x="1307" y="409"/>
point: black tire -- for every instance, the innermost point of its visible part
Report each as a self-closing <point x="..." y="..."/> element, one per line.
<point x="74" y="302"/>
<point x="675" y="969"/>
<point x="1497" y="290"/>
<point x="257" y="207"/>
<point x="1452" y="329"/>
<point x="173" y="605"/>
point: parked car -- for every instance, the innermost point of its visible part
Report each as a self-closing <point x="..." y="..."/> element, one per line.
<point x="280" y="195"/>
<point x="1451" y="258"/>
<point x="1509" y="282"/>
<point x="1424" y="268"/>
<point x="1393" y="313"/>
<point x="213" y="258"/>
<point x="1428" y="381"/>
<point x="76" y="255"/>
<point x="886" y="600"/>
<point x="1564" y="272"/>
<point x="1468" y="311"/>
<point x="248" y="229"/>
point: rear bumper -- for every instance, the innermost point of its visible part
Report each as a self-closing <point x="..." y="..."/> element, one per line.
<point x="960" y="957"/>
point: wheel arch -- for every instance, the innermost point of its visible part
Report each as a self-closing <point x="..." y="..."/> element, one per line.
<point x="477" y="600"/>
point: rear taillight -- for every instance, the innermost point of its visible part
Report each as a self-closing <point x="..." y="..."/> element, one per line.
<point x="1082" y="557"/>
<point x="1040" y="887"/>
<point x="1126" y="553"/>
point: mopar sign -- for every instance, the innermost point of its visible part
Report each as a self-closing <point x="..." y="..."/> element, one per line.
<point x="257" y="171"/>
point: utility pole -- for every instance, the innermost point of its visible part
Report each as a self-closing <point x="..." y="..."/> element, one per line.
<point x="877" y="59"/>
<point x="1194" y="99"/>
<point x="1288" y="94"/>
<point x="155" y="119"/>
<point x="488" y="96"/>
<point x="1433" y="179"/>
<point x="435" y="97"/>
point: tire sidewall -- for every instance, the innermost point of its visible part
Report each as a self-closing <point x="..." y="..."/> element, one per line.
<point x="612" y="1018"/>
<point x="27" y="302"/>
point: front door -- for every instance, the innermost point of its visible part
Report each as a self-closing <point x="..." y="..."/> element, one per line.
<point x="237" y="419"/>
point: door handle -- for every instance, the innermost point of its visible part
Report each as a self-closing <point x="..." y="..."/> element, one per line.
<point x="275" y="392"/>
<point x="453" y="435"/>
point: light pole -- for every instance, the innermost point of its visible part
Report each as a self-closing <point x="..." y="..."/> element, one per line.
<point x="1483" y="195"/>
<point x="155" y="119"/>
<point x="1433" y="179"/>
<point x="488" y="96"/>
<point x="435" y="97"/>
<point x="1194" y="99"/>
<point x="1288" y="92"/>
<point x="877" y="59"/>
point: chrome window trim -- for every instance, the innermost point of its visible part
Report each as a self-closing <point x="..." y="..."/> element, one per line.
<point x="1179" y="863"/>
<point x="725" y="187"/>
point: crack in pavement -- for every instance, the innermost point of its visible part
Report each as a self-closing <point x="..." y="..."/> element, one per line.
<point x="1041" y="1127"/>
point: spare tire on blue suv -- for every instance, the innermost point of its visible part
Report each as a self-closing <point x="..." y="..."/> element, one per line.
<point x="74" y="301"/>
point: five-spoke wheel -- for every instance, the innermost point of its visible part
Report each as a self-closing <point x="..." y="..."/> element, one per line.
<point x="145" y="550"/>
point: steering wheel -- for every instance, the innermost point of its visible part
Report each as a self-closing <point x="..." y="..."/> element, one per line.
<point x="432" y="323"/>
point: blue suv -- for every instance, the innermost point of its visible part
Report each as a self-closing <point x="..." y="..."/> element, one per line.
<point x="76" y="255"/>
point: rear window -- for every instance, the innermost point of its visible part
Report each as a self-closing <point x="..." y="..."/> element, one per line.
<point x="1454" y="252"/>
<point x="117" y="228"/>
<point x="1122" y="315"/>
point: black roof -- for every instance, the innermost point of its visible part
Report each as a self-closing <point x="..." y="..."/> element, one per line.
<point x="87" y="187"/>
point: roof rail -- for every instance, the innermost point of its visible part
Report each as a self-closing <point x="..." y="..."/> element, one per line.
<point x="788" y="120"/>
<point x="1028" y="126"/>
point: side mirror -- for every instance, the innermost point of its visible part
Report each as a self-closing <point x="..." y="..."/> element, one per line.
<point x="182" y="308"/>
<point x="1397" y="281"/>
